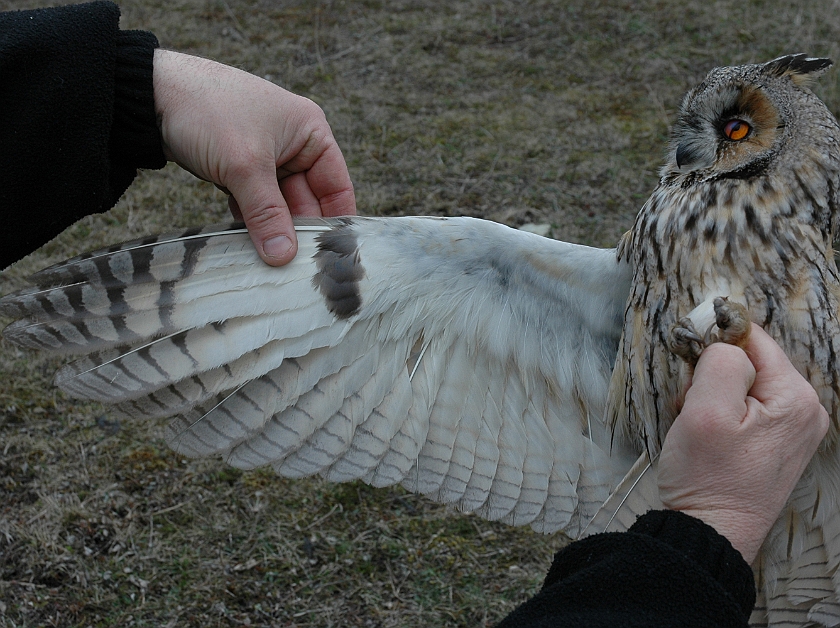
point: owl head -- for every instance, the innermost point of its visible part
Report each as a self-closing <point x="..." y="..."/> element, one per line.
<point x="734" y="124"/>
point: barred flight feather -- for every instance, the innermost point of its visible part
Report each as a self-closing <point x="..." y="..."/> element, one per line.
<point x="465" y="360"/>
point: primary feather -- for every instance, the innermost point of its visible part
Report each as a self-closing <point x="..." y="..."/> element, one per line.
<point x="465" y="360"/>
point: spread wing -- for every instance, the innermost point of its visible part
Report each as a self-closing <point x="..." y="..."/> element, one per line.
<point x="465" y="360"/>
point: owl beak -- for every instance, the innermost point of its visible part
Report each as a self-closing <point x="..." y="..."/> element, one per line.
<point x="685" y="155"/>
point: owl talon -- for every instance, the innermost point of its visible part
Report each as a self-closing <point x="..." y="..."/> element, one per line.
<point x="732" y="326"/>
<point x="685" y="342"/>
<point x="733" y="322"/>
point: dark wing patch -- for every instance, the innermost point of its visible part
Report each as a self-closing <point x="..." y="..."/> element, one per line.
<point x="339" y="270"/>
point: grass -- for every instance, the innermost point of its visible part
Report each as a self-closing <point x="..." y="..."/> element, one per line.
<point x="518" y="112"/>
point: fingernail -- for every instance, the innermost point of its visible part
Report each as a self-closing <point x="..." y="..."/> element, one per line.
<point x="277" y="247"/>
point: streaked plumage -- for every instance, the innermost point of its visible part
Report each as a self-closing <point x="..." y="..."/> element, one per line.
<point x="503" y="373"/>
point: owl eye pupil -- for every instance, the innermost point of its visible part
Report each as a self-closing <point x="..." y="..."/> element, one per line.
<point x="736" y="130"/>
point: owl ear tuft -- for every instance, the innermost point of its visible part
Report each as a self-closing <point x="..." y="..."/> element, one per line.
<point x="801" y="68"/>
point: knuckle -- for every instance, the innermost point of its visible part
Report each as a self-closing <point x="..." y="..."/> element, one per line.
<point x="242" y="160"/>
<point x="321" y="136"/>
<point x="310" y="110"/>
<point x="805" y="405"/>
<point x="261" y="216"/>
<point x="314" y="109"/>
<point x="823" y="422"/>
<point x="808" y="398"/>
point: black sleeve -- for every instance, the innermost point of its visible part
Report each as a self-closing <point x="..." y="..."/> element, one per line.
<point x="77" y="99"/>
<point x="668" y="570"/>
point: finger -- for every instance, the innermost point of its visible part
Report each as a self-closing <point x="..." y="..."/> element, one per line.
<point x="299" y="196"/>
<point x="774" y="369"/>
<point x="329" y="181"/>
<point x="783" y="391"/>
<point x="762" y="349"/>
<point x="257" y="195"/>
<point x="723" y="376"/>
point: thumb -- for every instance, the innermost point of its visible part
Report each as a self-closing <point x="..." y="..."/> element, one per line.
<point x="723" y="375"/>
<point x="774" y="370"/>
<point x="256" y="194"/>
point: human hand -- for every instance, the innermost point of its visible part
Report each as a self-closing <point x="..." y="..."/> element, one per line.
<point x="271" y="150"/>
<point x="747" y="430"/>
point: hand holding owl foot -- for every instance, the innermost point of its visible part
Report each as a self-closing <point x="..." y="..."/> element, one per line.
<point x="730" y="318"/>
<point x="722" y="459"/>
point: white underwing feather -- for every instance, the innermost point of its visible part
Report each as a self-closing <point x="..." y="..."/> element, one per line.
<point x="460" y="358"/>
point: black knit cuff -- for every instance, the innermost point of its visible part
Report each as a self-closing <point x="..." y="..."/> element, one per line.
<point x="703" y="545"/>
<point x="135" y="136"/>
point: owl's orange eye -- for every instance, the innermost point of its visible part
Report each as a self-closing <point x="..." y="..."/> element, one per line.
<point x="736" y="130"/>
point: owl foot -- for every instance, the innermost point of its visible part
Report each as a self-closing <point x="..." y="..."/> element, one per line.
<point x="733" y="322"/>
<point x="685" y="342"/>
<point x="732" y="326"/>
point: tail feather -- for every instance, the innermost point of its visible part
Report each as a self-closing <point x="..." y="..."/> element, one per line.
<point x="796" y="574"/>
<point x="635" y="495"/>
<point x="825" y="613"/>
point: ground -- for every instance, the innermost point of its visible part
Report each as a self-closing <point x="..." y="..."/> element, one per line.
<point x="542" y="112"/>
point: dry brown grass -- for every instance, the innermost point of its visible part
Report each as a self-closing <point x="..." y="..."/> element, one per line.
<point x="520" y="112"/>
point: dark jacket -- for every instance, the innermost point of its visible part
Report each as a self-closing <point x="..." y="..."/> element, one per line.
<point x="78" y="119"/>
<point x="669" y="570"/>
